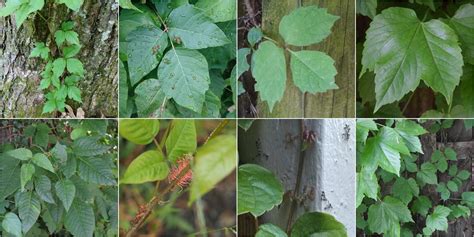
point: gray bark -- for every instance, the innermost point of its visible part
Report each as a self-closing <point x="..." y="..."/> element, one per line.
<point x="97" y="26"/>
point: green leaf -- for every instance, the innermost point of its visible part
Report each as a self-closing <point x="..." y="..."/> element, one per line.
<point x="464" y="175"/>
<point x="29" y="208"/>
<point x="313" y="71"/>
<point x="326" y="225"/>
<point x="80" y="219"/>
<point x="437" y="155"/>
<point x="298" y="28"/>
<point x="213" y="162"/>
<point x="66" y="191"/>
<point x="40" y="51"/>
<point x="367" y="8"/>
<point x="71" y="51"/>
<point x="43" y="189"/>
<point x="427" y="173"/>
<point x="463" y="23"/>
<point x="384" y="216"/>
<point x="453" y="170"/>
<point x="458" y="211"/>
<point x="443" y="190"/>
<point x="258" y="190"/>
<point x="74" y="5"/>
<point x="74" y="93"/>
<point x="269" y="74"/>
<point x="96" y="170"/>
<point x="74" y="66"/>
<point x="10" y="7"/>
<point x="27" y="171"/>
<point x="421" y="205"/>
<point x="59" y="152"/>
<point x="270" y="230"/>
<point x="26" y="9"/>
<point x="409" y="131"/>
<point x="438" y="219"/>
<point x="405" y="189"/>
<point x="181" y="139"/>
<point x="146" y="45"/>
<point x="254" y="36"/>
<point x="450" y="154"/>
<point x="123" y="91"/>
<point x="184" y="76"/>
<point x="58" y="67"/>
<point x="149" y="97"/>
<point x="132" y="19"/>
<point x="402" y="50"/>
<point x="42" y="161"/>
<point x="139" y="131"/>
<point x="452" y="186"/>
<point x="147" y="167"/>
<point x="127" y="4"/>
<point x="218" y="10"/>
<point x="191" y="28"/>
<point x="384" y="150"/>
<point x="367" y="185"/>
<point x="89" y="146"/>
<point x="164" y="7"/>
<point x="12" y="224"/>
<point x="243" y="64"/>
<point x="9" y="176"/>
<point x="21" y="154"/>
<point x="363" y="127"/>
<point x="468" y="199"/>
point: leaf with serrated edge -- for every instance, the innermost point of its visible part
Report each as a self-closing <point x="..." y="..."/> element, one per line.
<point x="29" y="208"/>
<point x="80" y="219"/>
<point x="66" y="191"/>
<point x="327" y="225"/>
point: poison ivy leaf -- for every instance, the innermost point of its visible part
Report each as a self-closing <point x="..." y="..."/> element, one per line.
<point x="21" y="154"/>
<point x="468" y="199"/>
<point x="464" y="175"/>
<point x="43" y="189"/>
<point x="181" y="139"/>
<point x="453" y="170"/>
<point x="450" y="154"/>
<point x="326" y="225"/>
<point x="436" y="156"/>
<point x="213" y="162"/>
<point x="243" y="64"/>
<point x="438" y="219"/>
<point x="139" y="131"/>
<point x="9" y="176"/>
<point x="259" y="190"/>
<point x="270" y="230"/>
<point x="367" y="8"/>
<point x="40" y="51"/>
<point x="298" y="28"/>
<point x="29" y="208"/>
<point x="421" y="205"/>
<point x="164" y="7"/>
<point x="149" y="97"/>
<point x="427" y="173"/>
<point x="405" y="189"/>
<point x="89" y="146"/>
<point x="218" y="10"/>
<point x="42" y="161"/>
<point x="384" y="150"/>
<point x="66" y="191"/>
<point x="27" y="171"/>
<point x="254" y="36"/>
<point x="313" y="71"/>
<point x="463" y="23"/>
<point x="367" y="185"/>
<point x="147" y="167"/>
<point x="390" y="51"/>
<point x="184" y="76"/>
<point x="269" y="74"/>
<point x="12" y="224"/>
<point x="386" y="215"/>
<point x="443" y="191"/>
<point x="80" y="219"/>
<point x="74" y="66"/>
<point x="363" y="128"/>
<point x="146" y="45"/>
<point x="74" y="5"/>
<point x="96" y="170"/>
<point x="127" y="4"/>
<point x="452" y="186"/>
<point x="190" y="27"/>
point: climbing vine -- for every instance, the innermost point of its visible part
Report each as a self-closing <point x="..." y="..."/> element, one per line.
<point x="63" y="70"/>
<point x="391" y="180"/>
<point x="312" y="71"/>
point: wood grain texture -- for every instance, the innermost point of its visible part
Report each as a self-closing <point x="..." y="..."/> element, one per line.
<point x="339" y="45"/>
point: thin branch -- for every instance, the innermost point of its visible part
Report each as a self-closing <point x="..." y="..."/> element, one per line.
<point x="217" y="130"/>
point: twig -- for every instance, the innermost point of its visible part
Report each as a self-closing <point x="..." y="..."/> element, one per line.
<point x="217" y="130"/>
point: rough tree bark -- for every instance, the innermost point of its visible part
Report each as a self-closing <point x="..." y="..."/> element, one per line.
<point x="97" y="26"/>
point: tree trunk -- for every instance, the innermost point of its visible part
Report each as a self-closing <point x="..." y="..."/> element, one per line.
<point x="97" y="26"/>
